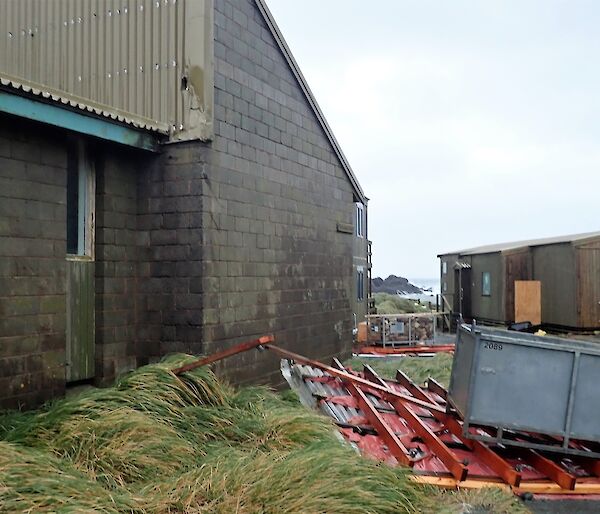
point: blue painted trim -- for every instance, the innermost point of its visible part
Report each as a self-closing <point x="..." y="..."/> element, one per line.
<point x="77" y="122"/>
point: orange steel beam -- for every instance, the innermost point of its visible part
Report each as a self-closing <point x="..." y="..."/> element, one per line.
<point x="378" y="350"/>
<point x="384" y="431"/>
<point x="439" y="449"/>
<point x="372" y="375"/>
<point x="551" y="469"/>
<point x="490" y="458"/>
<point x="403" y="379"/>
<point x="242" y="347"/>
<point x="374" y="417"/>
<point x="591" y="466"/>
<point x="435" y="387"/>
<point x="386" y="392"/>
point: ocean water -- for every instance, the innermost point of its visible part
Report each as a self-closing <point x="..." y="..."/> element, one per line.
<point x="425" y="283"/>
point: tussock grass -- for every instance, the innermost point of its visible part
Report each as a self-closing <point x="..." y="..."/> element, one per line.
<point x="124" y="446"/>
<point x="393" y="304"/>
<point x="156" y="442"/>
<point x="488" y="500"/>
<point x="34" y="481"/>
<point x="317" y="478"/>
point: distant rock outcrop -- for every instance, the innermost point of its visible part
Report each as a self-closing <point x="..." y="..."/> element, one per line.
<point x="394" y="285"/>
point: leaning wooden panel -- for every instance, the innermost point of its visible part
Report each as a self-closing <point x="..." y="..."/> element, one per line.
<point x="528" y="301"/>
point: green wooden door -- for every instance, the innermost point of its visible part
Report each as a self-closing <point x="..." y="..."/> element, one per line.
<point x="80" y="320"/>
<point x="81" y="191"/>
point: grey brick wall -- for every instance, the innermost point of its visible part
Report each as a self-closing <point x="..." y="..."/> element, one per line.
<point x="170" y="237"/>
<point x="32" y="263"/>
<point x="273" y="259"/>
<point x="117" y="256"/>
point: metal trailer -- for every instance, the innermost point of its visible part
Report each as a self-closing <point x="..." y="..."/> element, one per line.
<point x="401" y="329"/>
<point x="506" y="383"/>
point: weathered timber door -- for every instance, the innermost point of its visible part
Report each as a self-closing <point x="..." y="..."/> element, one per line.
<point x="465" y="293"/>
<point x="81" y="194"/>
<point x="518" y="266"/>
<point x="588" y="297"/>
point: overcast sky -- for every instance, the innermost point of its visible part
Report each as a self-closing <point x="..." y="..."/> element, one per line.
<point x="466" y="122"/>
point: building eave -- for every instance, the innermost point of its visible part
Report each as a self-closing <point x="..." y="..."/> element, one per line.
<point x="56" y="114"/>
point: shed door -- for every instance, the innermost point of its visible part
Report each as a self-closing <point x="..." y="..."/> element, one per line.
<point x="81" y="192"/>
<point x="517" y="268"/>
<point x="465" y="293"/>
<point x="589" y="287"/>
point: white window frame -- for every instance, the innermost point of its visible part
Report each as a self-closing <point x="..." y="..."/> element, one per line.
<point x="360" y="283"/>
<point x="486" y="285"/>
<point x="360" y="220"/>
<point x="86" y="209"/>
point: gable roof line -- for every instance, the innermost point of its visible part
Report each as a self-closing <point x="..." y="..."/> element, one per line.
<point x="517" y="245"/>
<point x="285" y="50"/>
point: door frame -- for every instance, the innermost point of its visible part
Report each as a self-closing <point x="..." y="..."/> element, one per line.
<point x="80" y="283"/>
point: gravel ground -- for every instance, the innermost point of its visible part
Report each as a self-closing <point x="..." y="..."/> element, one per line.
<point x="563" y="506"/>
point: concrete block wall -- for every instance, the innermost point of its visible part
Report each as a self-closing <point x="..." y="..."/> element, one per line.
<point x="170" y="240"/>
<point x="33" y="165"/>
<point x="117" y="256"/>
<point x="273" y="260"/>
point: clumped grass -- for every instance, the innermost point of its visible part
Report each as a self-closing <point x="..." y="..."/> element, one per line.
<point x="393" y="304"/>
<point x="156" y="442"/>
<point x="34" y="481"/>
<point x="122" y="447"/>
<point x="490" y="500"/>
<point x="319" y="477"/>
<point x="419" y="369"/>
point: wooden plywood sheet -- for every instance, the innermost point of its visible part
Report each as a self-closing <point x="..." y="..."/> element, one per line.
<point x="528" y="301"/>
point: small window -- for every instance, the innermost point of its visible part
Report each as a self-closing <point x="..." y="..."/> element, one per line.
<point x="445" y="287"/>
<point x="486" y="284"/>
<point x="360" y="217"/>
<point x="444" y="267"/>
<point x="360" y="284"/>
<point x="80" y="202"/>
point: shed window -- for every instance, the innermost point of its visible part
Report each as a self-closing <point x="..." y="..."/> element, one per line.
<point x="486" y="284"/>
<point x="360" y="284"/>
<point x="80" y="202"/>
<point x="444" y="267"/>
<point x="360" y="217"/>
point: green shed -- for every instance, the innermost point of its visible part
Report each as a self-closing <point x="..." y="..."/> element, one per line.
<point x="479" y="283"/>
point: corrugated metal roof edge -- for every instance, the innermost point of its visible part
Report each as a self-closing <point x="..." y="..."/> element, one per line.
<point x="82" y="105"/>
<point x="262" y="6"/>
<point x="503" y="247"/>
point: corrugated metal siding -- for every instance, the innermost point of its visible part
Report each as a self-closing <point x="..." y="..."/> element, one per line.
<point x="124" y="56"/>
